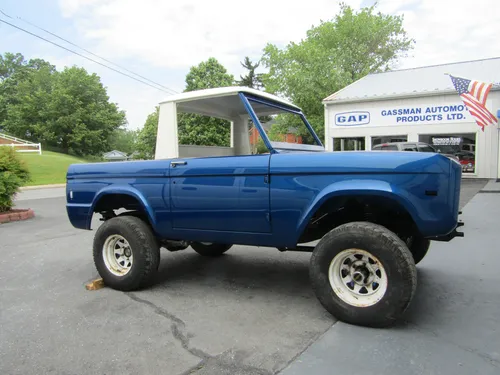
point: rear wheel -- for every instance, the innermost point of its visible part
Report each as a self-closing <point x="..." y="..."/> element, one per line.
<point x="210" y="249"/>
<point x="363" y="274"/>
<point x="126" y="253"/>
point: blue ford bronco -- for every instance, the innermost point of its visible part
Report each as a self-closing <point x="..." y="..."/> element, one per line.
<point x="367" y="217"/>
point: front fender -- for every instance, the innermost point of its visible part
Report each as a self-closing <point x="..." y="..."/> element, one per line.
<point x="124" y="190"/>
<point x="357" y="187"/>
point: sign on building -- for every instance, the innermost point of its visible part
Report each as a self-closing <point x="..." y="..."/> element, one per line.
<point x="404" y="115"/>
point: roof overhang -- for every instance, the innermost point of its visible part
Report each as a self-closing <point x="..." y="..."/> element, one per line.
<point x="223" y="102"/>
<point x="409" y="95"/>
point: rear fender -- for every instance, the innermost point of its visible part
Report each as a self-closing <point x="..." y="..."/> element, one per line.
<point x="356" y="188"/>
<point x="124" y="190"/>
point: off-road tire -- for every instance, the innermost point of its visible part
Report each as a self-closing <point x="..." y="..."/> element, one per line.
<point x="419" y="247"/>
<point x="145" y="251"/>
<point x="395" y="258"/>
<point x="212" y="250"/>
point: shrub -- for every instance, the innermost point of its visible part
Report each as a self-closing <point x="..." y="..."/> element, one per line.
<point x="13" y="174"/>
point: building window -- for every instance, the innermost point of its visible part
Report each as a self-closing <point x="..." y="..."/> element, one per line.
<point x="348" y="144"/>
<point x="462" y="146"/>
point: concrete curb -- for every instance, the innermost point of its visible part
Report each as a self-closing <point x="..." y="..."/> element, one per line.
<point x="42" y="187"/>
<point x="16" y="215"/>
<point x="491" y="187"/>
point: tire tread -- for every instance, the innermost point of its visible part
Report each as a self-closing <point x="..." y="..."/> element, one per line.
<point x="399" y="251"/>
<point x="149" y="249"/>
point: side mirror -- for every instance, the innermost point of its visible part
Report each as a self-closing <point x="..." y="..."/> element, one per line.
<point x="439" y="150"/>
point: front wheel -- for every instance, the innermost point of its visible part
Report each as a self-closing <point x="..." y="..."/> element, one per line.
<point x="363" y="274"/>
<point x="126" y="253"/>
<point x="210" y="249"/>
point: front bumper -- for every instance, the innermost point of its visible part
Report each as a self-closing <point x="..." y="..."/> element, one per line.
<point x="454" y="233"/>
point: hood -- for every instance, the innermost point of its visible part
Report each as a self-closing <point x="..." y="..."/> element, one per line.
<point x="352" y="162"/>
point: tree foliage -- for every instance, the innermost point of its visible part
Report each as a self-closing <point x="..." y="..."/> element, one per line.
<point x="124" y="140"/>
<point x="13" y="174"/>
<point x="204" y="130"/>
<point x="68" y="110"/>
<point x="334" y="54"/>
<point x="146" y="138"/>
<point x="251" y="79"/>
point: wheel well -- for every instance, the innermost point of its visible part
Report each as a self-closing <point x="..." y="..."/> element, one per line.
<point x="375" y="209"/>
<point x="124" y="203"/>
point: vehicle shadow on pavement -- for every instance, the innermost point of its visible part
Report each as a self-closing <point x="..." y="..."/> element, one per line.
<point x="262" y="270"/>
<point x="429" y="301"/>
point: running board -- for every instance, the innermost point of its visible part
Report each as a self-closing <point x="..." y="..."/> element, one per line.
<point x="304" y="249"/>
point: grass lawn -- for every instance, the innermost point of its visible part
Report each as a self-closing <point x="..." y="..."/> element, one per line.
<point x="48" y="168"/>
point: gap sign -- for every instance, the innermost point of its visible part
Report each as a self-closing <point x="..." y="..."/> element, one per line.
<point x="382" y="115"/>
<point x="352" y="118"/>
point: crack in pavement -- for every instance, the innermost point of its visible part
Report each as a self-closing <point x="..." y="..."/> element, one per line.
<point x="226" y="363"/>
<point x="177" y="326"/>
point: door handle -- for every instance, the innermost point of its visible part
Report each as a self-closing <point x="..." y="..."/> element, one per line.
<point x="176" y="163"/>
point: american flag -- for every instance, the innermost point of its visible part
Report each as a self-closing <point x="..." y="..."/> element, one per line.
<point x="474" y="95"/>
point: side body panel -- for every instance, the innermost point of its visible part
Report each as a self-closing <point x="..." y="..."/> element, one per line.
<point x="228" y="194"/>
<point x="147" y="181"/>
<point x="300" y="185"/>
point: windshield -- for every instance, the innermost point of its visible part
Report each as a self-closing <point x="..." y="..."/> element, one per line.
<point x="287" y="129"/>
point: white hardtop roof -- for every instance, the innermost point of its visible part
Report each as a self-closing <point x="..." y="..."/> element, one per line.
<point x="224" y="91"/>
<point x="224" y="102"/>
<point x="426" y="80"/>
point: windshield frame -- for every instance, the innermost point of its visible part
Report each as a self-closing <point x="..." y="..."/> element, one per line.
<point x="274" y="146"/>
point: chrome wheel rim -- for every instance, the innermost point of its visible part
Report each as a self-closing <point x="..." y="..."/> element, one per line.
<point x="357" y="277"/>
<point x="117" y="255"/>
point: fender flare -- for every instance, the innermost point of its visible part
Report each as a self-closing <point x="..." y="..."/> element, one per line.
<point x="123" y="190"/>
<point x="359" y="188"/>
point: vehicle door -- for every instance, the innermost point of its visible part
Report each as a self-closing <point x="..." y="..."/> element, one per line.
<point x="228" y="193"/>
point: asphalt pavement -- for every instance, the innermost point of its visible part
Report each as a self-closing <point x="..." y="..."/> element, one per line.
<point x="453" y="324"/>
<point x="251" y="311"/>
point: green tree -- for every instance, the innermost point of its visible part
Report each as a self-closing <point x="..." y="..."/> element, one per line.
<point x="80" y="116"/>
<point x="10" y="64"/>
<point x="124" y="140"/>
<point x="204" y="130"/>
<point x="18" y="78"/>
<point x="334" y="54"/>
<point x="251" y="79"/>
<point x="146" y="138"/>
<point x="68" y="110"/>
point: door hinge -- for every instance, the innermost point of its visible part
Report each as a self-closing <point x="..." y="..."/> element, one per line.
<point x="268" y="217"/>
<point x="267" y="179"/>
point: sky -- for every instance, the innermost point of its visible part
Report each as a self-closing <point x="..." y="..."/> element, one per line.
<point x="161" y="39"/>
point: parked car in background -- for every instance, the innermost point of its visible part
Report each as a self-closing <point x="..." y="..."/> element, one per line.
<point x="468" y="147"/>
<point x="411" y="146"/>
<point x="467" y="160"/>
